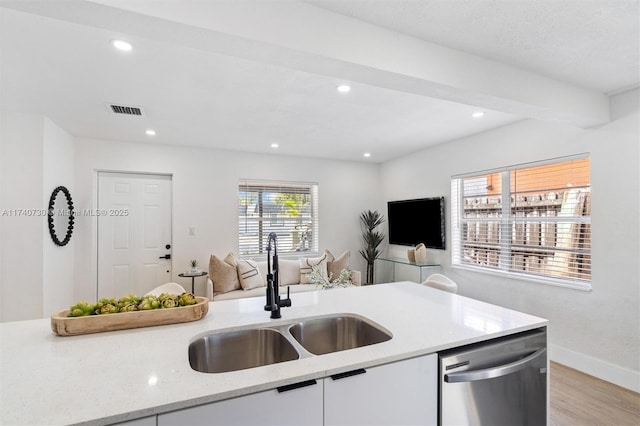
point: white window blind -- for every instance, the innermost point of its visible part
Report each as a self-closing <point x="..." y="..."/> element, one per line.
<point x="530" y="220"/>
<point x="287" y="208"/>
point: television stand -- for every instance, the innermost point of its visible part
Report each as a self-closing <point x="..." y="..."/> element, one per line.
<point x="406" y="268"/>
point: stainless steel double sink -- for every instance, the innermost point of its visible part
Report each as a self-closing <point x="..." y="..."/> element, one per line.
<point x="224" y="351"/>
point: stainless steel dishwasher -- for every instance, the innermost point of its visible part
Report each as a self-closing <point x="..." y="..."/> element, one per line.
<point x="499" y="382"/>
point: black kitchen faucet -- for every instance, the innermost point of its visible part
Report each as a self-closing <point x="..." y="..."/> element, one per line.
<point x="274" y="303"/>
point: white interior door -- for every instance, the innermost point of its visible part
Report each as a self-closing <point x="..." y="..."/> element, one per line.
<point x="132" y="246"/>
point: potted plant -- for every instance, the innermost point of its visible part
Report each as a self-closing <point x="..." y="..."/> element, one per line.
<point x="194" y="266"/>
<point x="370" y="220"/>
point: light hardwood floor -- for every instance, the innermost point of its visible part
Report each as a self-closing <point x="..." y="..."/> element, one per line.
<point x="583" y="400"/>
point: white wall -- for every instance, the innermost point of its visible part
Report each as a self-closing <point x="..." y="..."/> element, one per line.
<point x="597" y="331"/>
<point x="21" y="240"/>
<point x="205" y="185"/>
<point x="37" y="156"/>
<point x="2" y="206"/>
<point x="57" y="262"/>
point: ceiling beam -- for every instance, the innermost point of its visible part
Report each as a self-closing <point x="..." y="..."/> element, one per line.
<point x="299" y="36"/>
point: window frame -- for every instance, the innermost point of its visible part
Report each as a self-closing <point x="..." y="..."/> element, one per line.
<point x="507" y="219"/>
<point x="269" y="220"/>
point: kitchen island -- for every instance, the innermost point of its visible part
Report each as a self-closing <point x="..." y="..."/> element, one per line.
<point x="113" y="377"/>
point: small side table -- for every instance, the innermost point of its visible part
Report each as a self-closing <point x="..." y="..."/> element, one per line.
<point x="193" y="278"/>
<point x="424" y="269"/>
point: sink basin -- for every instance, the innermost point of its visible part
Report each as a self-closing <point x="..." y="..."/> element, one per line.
<point x="338" y="333"/>
<point x="224" y="351"/>
<point x="238" y="350"/>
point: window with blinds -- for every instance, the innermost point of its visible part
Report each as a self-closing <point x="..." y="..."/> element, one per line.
<point x="286" y="208"/>
<point x="530" y="220"/>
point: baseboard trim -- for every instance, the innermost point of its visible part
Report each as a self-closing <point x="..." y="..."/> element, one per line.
<point x="615" y="374"/>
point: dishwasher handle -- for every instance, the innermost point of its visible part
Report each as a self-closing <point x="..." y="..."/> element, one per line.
<point x="490" y="373"/>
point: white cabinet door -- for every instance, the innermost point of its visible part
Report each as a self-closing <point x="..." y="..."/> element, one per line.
<point x="400" y="393"/>
<point x="298" y="406"/>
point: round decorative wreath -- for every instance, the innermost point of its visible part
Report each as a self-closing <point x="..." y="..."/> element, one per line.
<point x="51" y="213"/>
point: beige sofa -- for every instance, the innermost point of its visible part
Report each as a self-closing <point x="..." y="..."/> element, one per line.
<point x="291" y="273"/>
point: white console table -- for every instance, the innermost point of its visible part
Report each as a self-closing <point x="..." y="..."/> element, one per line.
<point x="421" y="271"/>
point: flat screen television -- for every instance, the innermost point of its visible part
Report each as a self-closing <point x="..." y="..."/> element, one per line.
<point x="417" y="221"/>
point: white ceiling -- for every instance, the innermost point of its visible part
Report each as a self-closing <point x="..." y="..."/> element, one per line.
<point x="199" y="87"/>
<point x="589" y="43"/>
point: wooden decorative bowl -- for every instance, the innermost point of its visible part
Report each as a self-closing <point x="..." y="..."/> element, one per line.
<point x="62" y="325"/>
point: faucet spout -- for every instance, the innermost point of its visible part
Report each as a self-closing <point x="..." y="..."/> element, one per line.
<point x="274" y="302"/>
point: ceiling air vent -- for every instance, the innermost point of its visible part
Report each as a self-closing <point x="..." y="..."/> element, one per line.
<point x="126" y="110"/>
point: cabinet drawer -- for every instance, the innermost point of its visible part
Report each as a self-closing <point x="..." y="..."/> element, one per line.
<point x="295" y="406"/>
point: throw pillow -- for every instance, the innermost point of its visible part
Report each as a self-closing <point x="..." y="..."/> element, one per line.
<point x="224" y="274"/>
<point x="289" y="272"/>
<point x="262" y="268"/>
<point x="336" y="265"/>
<point x="249" y="274"/>
<point x="306" y="263"/>
<point x="231" y="259"/>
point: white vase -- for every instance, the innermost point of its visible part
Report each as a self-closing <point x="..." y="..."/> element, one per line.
<point x="411" y="254"/>
<point x="421" y="254"/>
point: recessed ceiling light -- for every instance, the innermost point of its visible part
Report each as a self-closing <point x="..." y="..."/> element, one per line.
<point x="151" y="132"/>
<point x="274" y="145"/>
<point x="122" y="45"/>
<point x="477" y="114"/>
<point x="366" y="154"/>
<point x="344" y="88"/>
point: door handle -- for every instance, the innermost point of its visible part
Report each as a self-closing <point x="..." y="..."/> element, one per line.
<point x="287" y="388"/>
<point x="166" y="256"/>
<point x="490" y="373"/>
<point x="348" y="374"/>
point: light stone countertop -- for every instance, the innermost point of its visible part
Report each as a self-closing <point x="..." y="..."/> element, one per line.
<point x="121" y="375"/>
